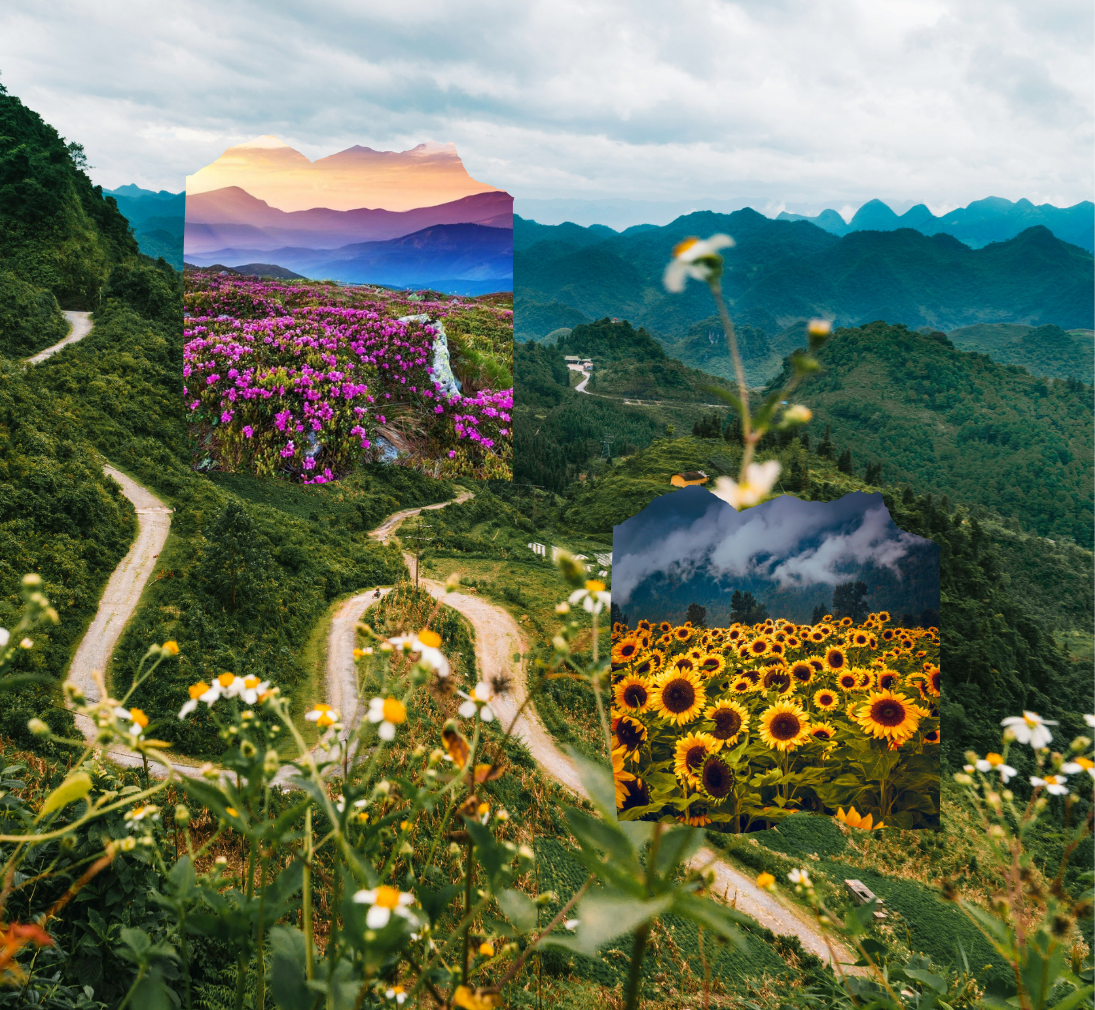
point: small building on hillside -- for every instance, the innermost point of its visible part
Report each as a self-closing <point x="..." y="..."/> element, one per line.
<point x="687" y="478"/>
<point x="572" y="359"/>
<point x="587" y="365"/>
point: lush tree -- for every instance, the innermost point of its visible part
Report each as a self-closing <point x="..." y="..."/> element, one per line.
<point x="697" y="614"/>
<point x="850" y="600"/>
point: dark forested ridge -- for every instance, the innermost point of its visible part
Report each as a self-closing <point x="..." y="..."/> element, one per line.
<point x="59" y="231"/>
<point x="792" y="269"/>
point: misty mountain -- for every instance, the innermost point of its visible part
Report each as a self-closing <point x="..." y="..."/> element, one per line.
<point x="691" y="547"/>
<point x="790" y="270"/>
<point x="983" y="221"/>
<point x="156" y="219"/>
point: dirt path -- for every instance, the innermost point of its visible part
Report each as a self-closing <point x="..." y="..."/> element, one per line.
<point x="81" y="327"/>
<point x="123" y="589"/>
<point x="497" y="638"/>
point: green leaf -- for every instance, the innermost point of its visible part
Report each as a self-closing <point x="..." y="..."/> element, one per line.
<point x="434" y="902"/>
<point x="677" y="846"/>
<point x="598" y="783"/>
<point x="720" y="919"/>
<point x="286" y="974"/>
<point x="75" y="787"/>
<point x="605" y="915"/>
<point x="519" y="908"/>
<point x="921" y="975"/>
<point x="1074" y="999"/>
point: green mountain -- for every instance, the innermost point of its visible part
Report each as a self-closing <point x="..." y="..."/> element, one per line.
<point x="791" y="270"/>
<point x="59" y="231"/>
<point x="158" y="220"/>
<point x="1048" y="351"/>
<point x="950" y="422"/>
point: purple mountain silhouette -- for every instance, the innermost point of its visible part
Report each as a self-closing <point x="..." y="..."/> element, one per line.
<point x="232" y="218"/>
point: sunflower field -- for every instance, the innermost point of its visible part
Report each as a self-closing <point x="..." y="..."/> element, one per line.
<point x="739" y="727"/>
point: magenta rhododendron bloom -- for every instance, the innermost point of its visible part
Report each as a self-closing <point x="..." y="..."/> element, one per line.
<point x="266" y="359"/>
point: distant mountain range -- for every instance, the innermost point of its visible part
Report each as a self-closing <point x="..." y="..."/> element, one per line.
<point x="230" y="218"/>
<point x="983" y="221"/>
<point x="156" y="218"/>
<point x="783" y="271"/>
<point x="461" y="247"/>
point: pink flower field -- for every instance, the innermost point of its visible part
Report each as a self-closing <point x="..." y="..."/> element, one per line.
<point x="304" y="379"/>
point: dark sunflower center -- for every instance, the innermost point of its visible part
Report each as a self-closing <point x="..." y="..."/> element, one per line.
<point x="678" y="696"/>
<point x="847" y="680"/>
<point x="717" y="780"/>
<point x="802" y="671"/>
<point x="628" y="649"/>
<point x="710" y="663"/>
<point x="629" y="734"/>
<point x="727" y="723"/>
<point x="635" y="696"/>
<point x="785" y="726"/>
<point x="888" y="712"/>
<point x="826" y="699"/>
<point x="887" y="680"/>
<point x="936" y="680"/>
<point x="835" y="660"/>
<point x="638" y="794"/>
<point x="695" y="755"/>
<point x="777" y="680"/>
<point x="822" y="734"/>
<point x="758" y="647"/>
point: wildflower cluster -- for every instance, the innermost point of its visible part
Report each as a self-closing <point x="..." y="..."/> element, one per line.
<point x="303" y="379"/>
<point x="757" y="721"/>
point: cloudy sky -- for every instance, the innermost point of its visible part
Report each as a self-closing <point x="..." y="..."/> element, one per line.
<point x="691" y="535"/>
<point x="785" y="103"/>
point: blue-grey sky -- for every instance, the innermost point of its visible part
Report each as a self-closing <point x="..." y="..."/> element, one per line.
<point x="795" y="103"/>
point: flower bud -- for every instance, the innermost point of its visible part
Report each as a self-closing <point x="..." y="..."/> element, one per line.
<point x="247" y="749"/>
<point x="972" y="757"/>
<point x="271" y="762"/>
<point x="963" y="779"/>
<point x="38" y="728"/>
<point x="1008" y="795"/>
<point x="220" y="861"/>
<point x="128" y="844"/>
<point x="797" y="414"/>
<point x="182" y="816"/>
<point x="562" y="608"/>
<point x="32" y="579"/>
<point x="208" y="771"/>
<point x="1080" y="743"/>
<point x="73" y="692"/>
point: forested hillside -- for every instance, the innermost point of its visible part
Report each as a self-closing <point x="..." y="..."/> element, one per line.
<point x="1047" y="351"/>
<point x="59" y="232"/>
<point x="786" y="270"/>
<point x="959" y="424"/>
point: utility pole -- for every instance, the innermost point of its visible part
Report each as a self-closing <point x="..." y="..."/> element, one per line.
<point x="419" y="539"/>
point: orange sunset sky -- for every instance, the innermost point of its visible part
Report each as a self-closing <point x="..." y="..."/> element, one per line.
<point x="270" y="170"/>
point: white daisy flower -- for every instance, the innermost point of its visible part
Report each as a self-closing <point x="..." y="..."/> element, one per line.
<point x="1081" y="764"/>
<point x="5" y="636"/>
<point x="428" y="646"/>
<point x="760" y="478"/>
<point x="384" y="901"/>
<point x="799" y="877"/>
<point x="323" y="715"/>
<point x="593" y="597"/>
<point x="477" y="701"/>
<point x="397" y="993"/>
<point x="1057" y="785"/>
<point x="696" y="258"/>
<point x="389" y="712"/>
<point x="991" y="762"/>
<point x="253" y="689"/>
<point x="1030" y="728"/>
<point x="1089" y="719"/>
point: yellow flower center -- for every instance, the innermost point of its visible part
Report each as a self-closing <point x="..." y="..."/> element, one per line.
<point x="225" y="679"/>
<point x="394" y="710"/>
<point x="994" y="759"/>
<point x="198" y="689"/>
<point x="387" y="897"/>
<point x="1085" y="763"/>
<point x="232" y="810"/>
<point x="595" y="586"/>
<point x="251" y="683"/>
<point x="1030" y="718"/>
<point x="171" y="647"/>
<point x="430" y="638"/>
<point x="683" y="247"/>
<point x="138" y="717"/>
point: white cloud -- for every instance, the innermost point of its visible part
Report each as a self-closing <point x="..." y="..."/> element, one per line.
<point x="940" y="101"/>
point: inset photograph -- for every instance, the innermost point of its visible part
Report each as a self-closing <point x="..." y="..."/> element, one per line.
<point x="353" y="309"/>
<point x="772" y="661"/>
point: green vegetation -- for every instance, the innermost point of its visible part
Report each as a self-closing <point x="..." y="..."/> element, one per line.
<point x="30" y="318"/>
<point x="958" y="424"/>
<point x="1047" y="351"/>
<point x="59" y="232"/>
<point x="704" y="347"/>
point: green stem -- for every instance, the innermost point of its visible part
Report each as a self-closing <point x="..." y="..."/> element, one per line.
<point x="469" y="871"/>
<point x="739" y="373"/>
<point x="260" y="967"/>
<point x="642" y="934"/>
<point x="309" y="956"/>
<point x="332" y="942"/>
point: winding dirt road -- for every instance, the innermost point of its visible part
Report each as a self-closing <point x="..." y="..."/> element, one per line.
<point x="81" y="327"/>
<point x="498" y="638"/>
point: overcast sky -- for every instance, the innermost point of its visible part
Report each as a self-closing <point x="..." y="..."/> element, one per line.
<point x="791" y="102"/>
